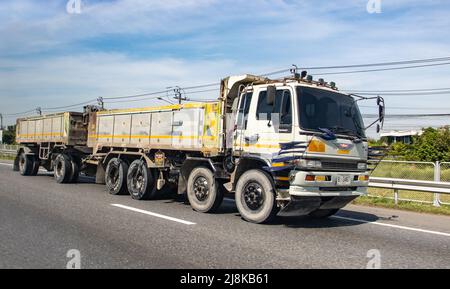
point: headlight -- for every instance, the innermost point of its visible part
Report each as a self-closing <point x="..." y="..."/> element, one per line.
<point x="309" y="164"/>
<point x="362" y="166"/>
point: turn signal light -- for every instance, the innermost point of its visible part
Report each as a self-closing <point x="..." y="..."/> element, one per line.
<point x="310" y="178"/>
<point x="363" y="178"/>
<point x="316" y="146"/>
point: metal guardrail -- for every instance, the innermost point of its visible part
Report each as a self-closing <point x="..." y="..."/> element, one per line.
<point x="9" y="150"/>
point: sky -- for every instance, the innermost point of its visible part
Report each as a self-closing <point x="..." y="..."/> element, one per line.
<point x="51" y="56"/>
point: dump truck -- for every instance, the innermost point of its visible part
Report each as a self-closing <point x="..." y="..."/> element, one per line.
<point x="287" y="147"/>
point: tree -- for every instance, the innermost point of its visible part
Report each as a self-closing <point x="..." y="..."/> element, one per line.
<point x="9" y="135"/>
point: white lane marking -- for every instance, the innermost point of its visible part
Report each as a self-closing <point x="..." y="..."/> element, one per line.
<point x="153" y="214"/>
<point x="393" y="226"/>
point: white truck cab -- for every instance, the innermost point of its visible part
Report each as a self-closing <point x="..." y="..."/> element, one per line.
<point x="311" y="138"/>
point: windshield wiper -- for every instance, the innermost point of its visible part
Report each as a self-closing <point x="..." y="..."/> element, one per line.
<point x="340" y="129"/>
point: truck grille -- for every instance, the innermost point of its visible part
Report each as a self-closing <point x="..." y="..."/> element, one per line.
<point x="339" y="166"/>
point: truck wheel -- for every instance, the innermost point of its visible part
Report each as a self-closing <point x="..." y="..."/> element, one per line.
<point x="25" y="164"/>
<point x="75" y="171"/>
<point x="36" y="165"/>
<point x="255" y="197"/>
<point x="323" y="214"/>
<point x="140" y="181"/>
<point x="203" y="191"/>
<point x="116" y="177"/>
<point x="62" y="169"/>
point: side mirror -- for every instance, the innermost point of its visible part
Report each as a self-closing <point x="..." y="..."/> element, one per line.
<point x="271" y="94"/>
<point x="378" y="128"/>
<point x="381" y="112"/>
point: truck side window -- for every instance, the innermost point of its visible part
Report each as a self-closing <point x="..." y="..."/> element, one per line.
<point x="283" y="107"/>
<point x="244" y="108"/>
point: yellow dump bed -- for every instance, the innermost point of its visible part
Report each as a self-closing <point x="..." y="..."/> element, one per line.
<point x="190" y="127"/>
<point x="63" y="128"/>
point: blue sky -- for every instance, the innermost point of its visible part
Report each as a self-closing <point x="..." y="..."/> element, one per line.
<point x="49" y="57"/>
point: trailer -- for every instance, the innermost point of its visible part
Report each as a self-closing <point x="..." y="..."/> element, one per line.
<point x="289" y="147"/>
<point x="52" y="141"/>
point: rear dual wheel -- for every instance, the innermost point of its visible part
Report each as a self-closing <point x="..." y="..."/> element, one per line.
<point x="66" y="169"/>
<point x="27" y="165"/>
<point x="141" y="181"/>
<point x="116" y="176"/>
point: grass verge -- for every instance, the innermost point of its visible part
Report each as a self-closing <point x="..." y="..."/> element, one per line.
<point x="402" y="205"/>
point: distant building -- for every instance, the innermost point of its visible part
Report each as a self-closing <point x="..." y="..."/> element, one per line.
<point x="1" y="136"/>
<point x="405" y="137"/>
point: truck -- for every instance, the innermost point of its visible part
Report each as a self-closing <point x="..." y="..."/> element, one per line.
<point x="281" y="147"/>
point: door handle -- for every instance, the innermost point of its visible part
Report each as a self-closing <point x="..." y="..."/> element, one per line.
<point x="252" y="139"/>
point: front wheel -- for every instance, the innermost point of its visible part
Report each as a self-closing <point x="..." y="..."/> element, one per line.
<point x="323" y="214"/>
<point x="203" y="191"/>
<point x="255" y="197"/>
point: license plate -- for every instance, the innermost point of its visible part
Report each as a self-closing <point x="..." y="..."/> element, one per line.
<point x="344" y="180"/>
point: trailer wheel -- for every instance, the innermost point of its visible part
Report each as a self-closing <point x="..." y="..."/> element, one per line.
<point x="203" y="191"/>
<point x="255" y="197"/>
<point x="62" y="169"/>
<point x="36" y="165"/>
<point x="141" y="181"/>
<point x="75" y="171"/>
<point x="25" y="164"/>
<point x="323" y="214"/>
<point x="116" y="177"/>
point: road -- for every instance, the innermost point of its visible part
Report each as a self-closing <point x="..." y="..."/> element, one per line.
<point x="40" y="221"/>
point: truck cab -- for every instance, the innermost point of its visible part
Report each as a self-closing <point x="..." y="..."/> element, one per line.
<point x="307" y="138"/>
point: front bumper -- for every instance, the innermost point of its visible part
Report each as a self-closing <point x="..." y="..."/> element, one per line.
<point x="304" y="197"/>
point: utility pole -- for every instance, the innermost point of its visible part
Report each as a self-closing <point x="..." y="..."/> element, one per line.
<point x="1" y="121"/>
<point x="101" y="103"/>
<point x="178" y="95"/>
<point x="39" y="111"/>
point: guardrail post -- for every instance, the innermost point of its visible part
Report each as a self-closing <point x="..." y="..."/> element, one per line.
<point x="396" y="197"/>
<point x="437" y="178"/>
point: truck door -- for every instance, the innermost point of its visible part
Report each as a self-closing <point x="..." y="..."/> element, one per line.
<point x="271" y="123"/>
<point x="242" y="121"/>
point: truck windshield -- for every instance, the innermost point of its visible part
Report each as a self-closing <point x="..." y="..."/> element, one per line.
<point x="321" y="109"/>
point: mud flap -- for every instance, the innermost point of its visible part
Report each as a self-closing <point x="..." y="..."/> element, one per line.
<point x="100" y="175"/>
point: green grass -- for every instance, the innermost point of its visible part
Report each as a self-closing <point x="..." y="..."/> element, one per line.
<point x="6" y="157"/>
<point x="402" y="205"/>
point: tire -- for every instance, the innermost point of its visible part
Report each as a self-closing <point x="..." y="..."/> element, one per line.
<point x="62" y="169"/>
<point x="75" y="171"/>
<point x="255" y="197"/>
<point x="322" y="214"/>
<point x="141" y="181"/>
<point x="25" y="164"/>
<point x="203" y="191"/>
<point x="116" y="177"/>
<point x="36" y="165"/>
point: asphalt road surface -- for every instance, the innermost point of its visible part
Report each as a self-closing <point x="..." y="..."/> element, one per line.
<point x="41" y="221"/>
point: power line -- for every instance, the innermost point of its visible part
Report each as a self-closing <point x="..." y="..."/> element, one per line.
<point x="440" y="59"/>
<point x="382" y="69"/>
<point x="430" y="60"/>
<point x="394" y="90"/>
<point x="406" y="93"/>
